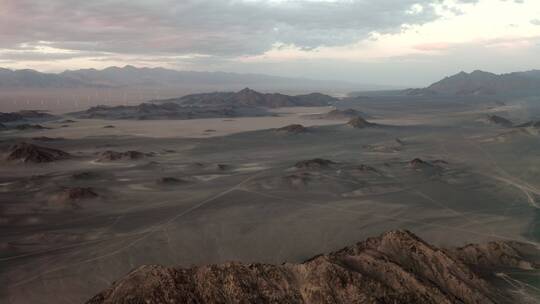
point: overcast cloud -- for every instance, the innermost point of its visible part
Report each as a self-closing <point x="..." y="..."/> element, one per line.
<point x="213" y="27"/>
<point x="204" y="34"/>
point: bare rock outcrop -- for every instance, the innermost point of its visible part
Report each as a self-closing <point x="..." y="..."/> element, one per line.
<point x="29" y="153"/>
<point x="419" y="163"/>
<point x="293" y="129"/>
<point x="127" y="155"/>
<point x="396" y="267"/>
<point x="316" y="163"/>
<point x="76" y="193"/>
<point x="500" y="254"/>
<point x="169" y="180"/>
<point x="360" y="123"/>
<point x="499" y="120"/>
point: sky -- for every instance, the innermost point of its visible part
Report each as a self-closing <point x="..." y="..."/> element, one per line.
<point x="388" y="42"/>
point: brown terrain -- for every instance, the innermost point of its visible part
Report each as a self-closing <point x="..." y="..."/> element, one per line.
<point x="396" y="267"/>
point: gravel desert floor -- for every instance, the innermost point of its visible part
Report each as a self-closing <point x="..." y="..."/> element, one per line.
<point x="216" y="190"/>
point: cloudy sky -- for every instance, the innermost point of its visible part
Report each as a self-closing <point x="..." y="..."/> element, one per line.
<point x="395" y="42"/>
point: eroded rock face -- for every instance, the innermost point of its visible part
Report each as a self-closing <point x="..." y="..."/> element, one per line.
<point x="396" y="267"/>
<point x="294" y="129"/>
<point x="29" y="153"/>
<point x="360" y="123"/>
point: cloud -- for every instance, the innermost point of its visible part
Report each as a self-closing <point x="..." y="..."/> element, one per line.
<point x="210" y="27"/>
<point x="535" y="21"/>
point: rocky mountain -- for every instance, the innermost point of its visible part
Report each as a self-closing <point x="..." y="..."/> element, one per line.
<point x="396" y="267"/>
<point x="252" y="98"/>
<point x="33" y="79"/>
<point x="484" y="83"/>
<point x="169" y="110"/>
<point x="245" y="103"/>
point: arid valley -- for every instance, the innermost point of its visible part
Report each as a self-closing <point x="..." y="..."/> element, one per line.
<point x="86" y="200"/>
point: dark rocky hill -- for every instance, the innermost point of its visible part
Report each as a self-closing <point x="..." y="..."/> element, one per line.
<point x="249" y="97"/>
<point x="29" y="153"/>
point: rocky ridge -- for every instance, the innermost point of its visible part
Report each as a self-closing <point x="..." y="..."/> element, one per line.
<point x="396" y="267"/>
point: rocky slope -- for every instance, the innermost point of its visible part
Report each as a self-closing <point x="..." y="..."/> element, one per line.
<point x="484" y="83"/>
<point x="29" y="153"/>
<point x="396" y="267"/>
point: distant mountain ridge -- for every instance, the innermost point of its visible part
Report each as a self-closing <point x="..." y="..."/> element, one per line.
<point x="130" y="76"/>
<point x="484" y="83"/>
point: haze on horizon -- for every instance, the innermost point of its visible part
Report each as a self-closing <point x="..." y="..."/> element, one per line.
<point x="387" y="42"/>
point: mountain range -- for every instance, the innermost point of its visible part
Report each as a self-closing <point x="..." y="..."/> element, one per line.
<point x="484" y="83"/>
<point x="130" y="76"/>
<point x="246" y="102"/>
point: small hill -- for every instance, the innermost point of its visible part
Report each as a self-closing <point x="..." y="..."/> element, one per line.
<point x="498" y="120"/>
<point x="360" y="123"/>
<point x="294" y="129"/>
<point x="29" y="153"/>
<point x="24" y="127"/>
<point x="127" y="155"/>
<point x="316" y="163"/>
<point x="337" y="114"/>
<point x="77" y="194"/>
